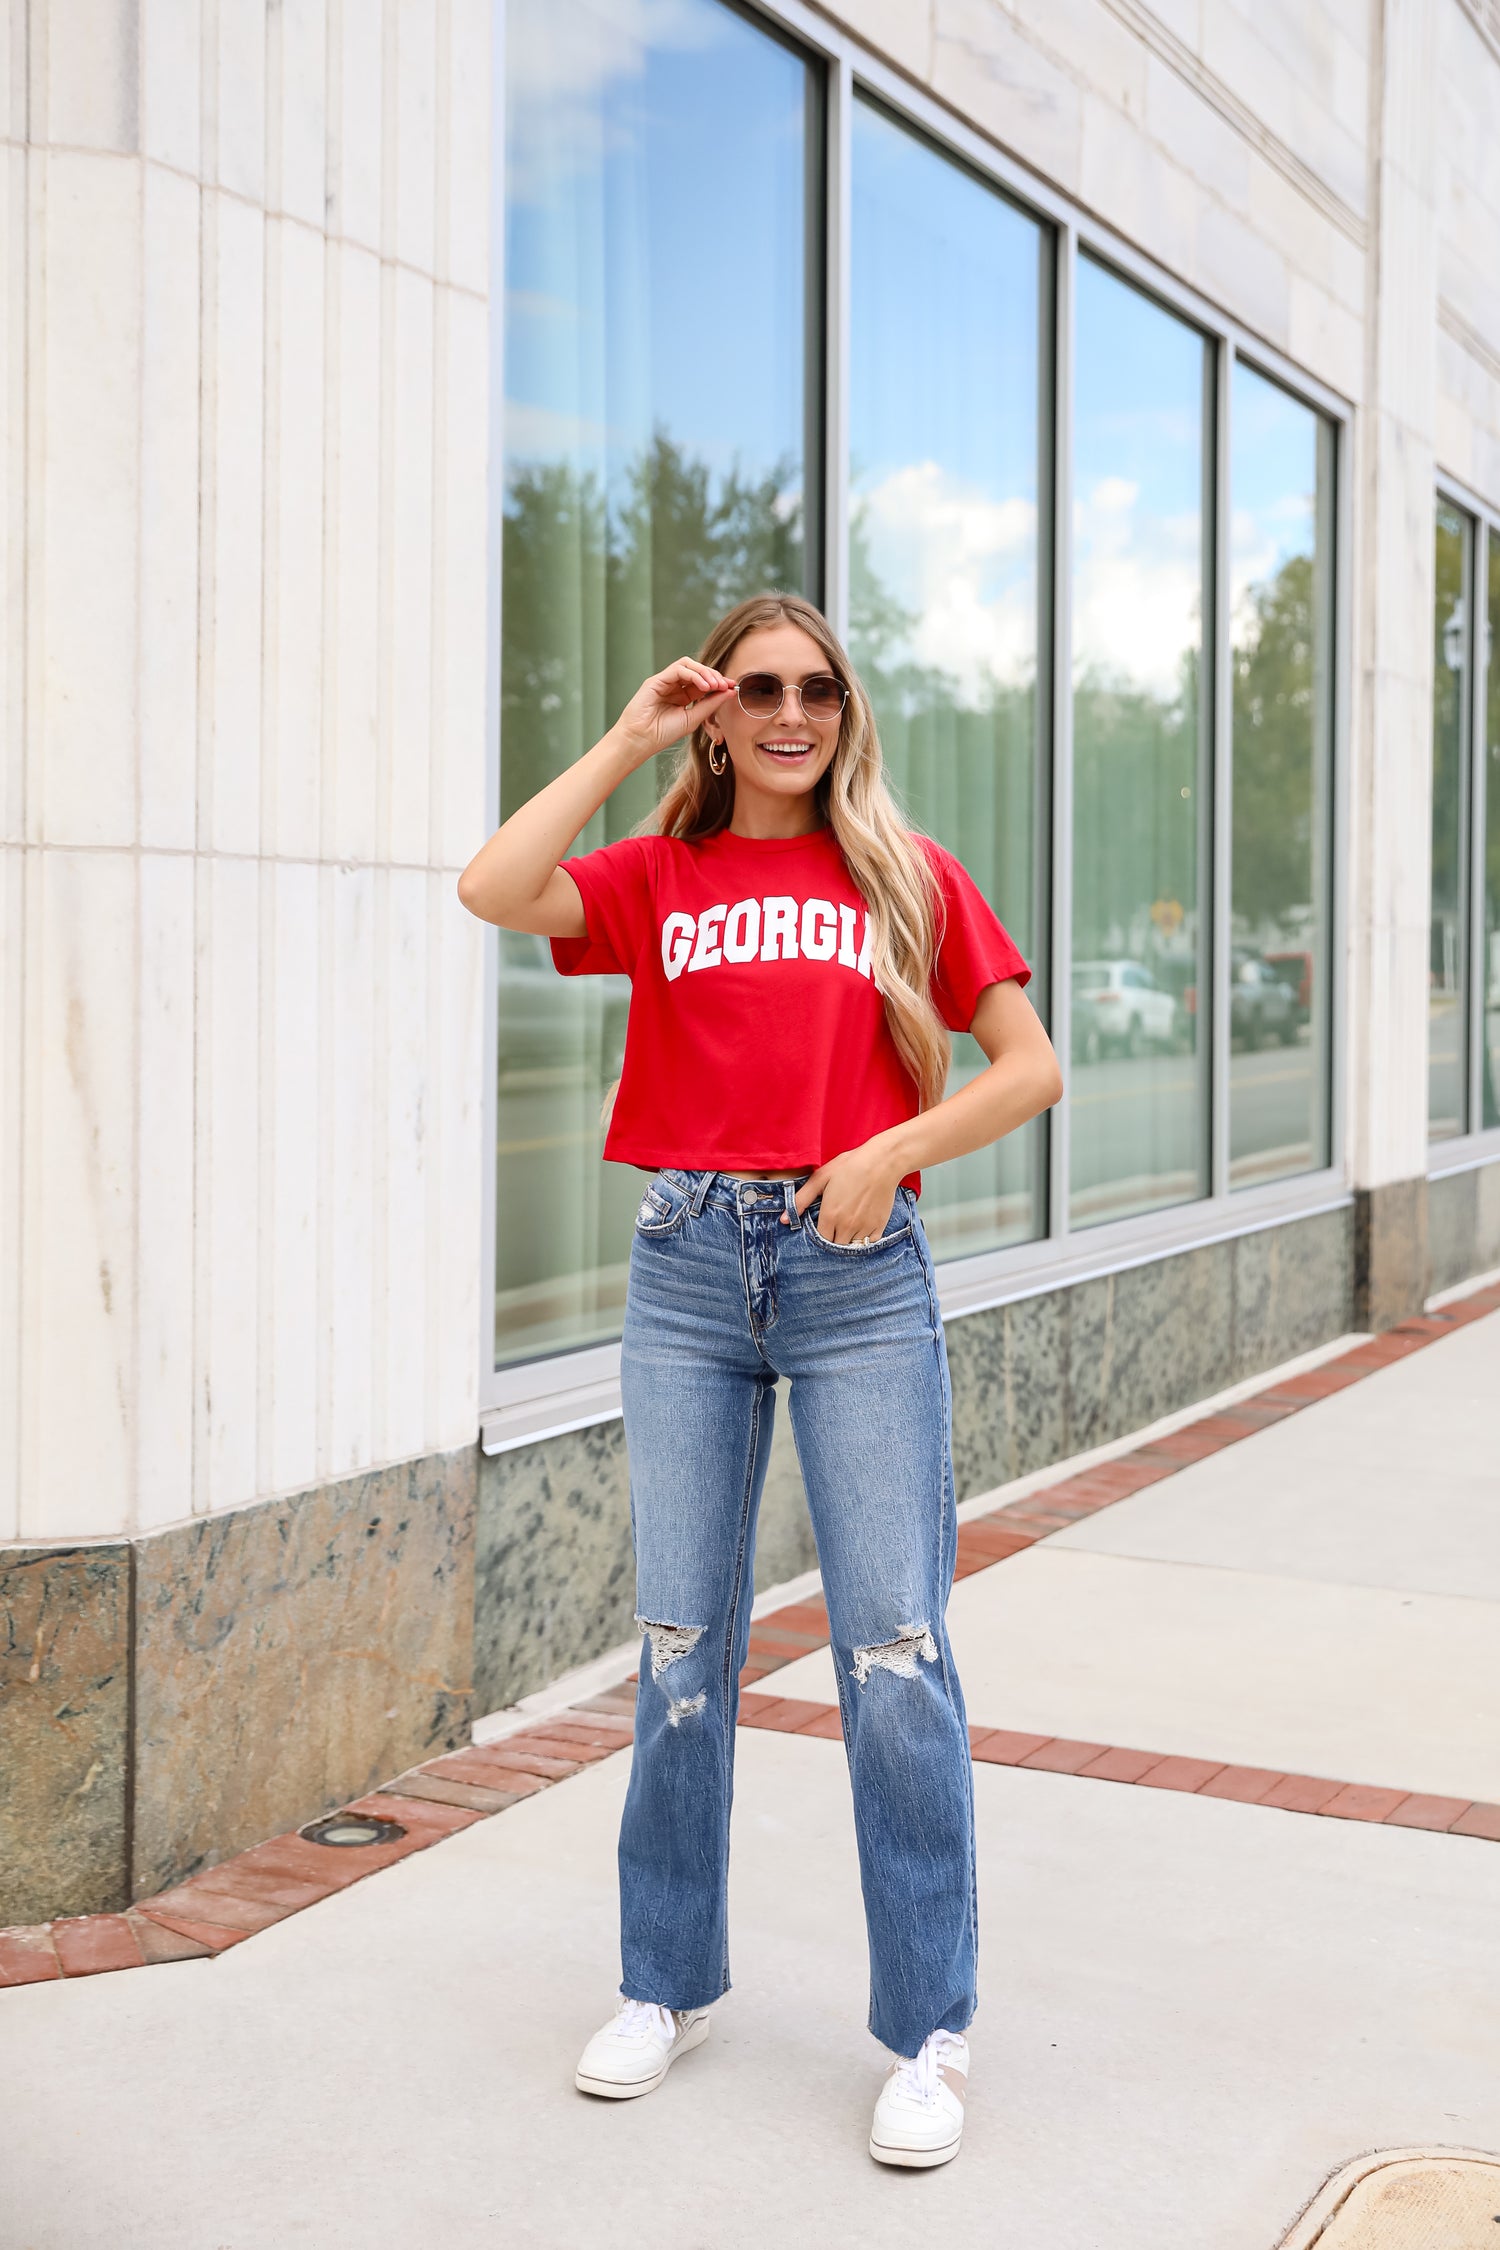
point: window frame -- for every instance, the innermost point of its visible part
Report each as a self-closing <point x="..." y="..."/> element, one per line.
<point x="1463" y="1152"/>
<point x="544" y="1397"/>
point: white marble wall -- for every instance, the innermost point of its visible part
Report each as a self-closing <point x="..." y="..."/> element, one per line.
<point x="1468" y="359"/>
<point x="242" y="667"/>
<point x="1390" y="871"/>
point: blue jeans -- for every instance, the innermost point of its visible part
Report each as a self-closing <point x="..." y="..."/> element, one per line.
<point x="722" y="1299"/>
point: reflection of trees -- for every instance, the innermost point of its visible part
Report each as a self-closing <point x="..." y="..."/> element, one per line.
<point x="1447" y="744"/>
<point x="1489" y="968"/>
<point x="596" y="596"/>
<point x="1135" y="837"/>
<point x="1276" y="723"/>
<point x="964" y="763"/>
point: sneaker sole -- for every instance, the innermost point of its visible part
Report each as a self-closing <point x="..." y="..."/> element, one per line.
<point x="915" y="2159"/>
<point x="613" y="2091"/>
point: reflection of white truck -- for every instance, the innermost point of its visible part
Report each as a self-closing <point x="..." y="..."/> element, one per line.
<point x="1119" y="1008"/>
<point x="549" y="1022"/>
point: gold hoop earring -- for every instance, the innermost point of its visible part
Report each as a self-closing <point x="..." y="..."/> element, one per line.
<point x="717" y="765"/>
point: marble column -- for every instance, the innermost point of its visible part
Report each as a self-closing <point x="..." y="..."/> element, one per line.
<point x="1391" y="749"/>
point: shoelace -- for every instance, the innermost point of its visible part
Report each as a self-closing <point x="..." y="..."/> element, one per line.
<point x="917" y="2075"/>
<point x="640" y="2019"/>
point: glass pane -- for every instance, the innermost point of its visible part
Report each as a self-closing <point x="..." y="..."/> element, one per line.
<point x="943" y="564"/>
<point x="1489" y="1061"/>
<point x="1281" y="585"/>
<point x="1446" y="1045"/>
<point x="1137" y="1081"/>
<point x="655" y="472"/>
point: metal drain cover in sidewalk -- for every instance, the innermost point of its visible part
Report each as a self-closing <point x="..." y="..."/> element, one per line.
<point x="1406" y="2199"/>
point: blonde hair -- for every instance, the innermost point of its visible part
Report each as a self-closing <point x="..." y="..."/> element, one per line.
<point x="890" y="869"/>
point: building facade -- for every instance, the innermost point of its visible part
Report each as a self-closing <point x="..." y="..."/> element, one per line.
<point x="387" y="389"/>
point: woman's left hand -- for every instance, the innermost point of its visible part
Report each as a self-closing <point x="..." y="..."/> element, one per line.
<point x="858" y="1190"/>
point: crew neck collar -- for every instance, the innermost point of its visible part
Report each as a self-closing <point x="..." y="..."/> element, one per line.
<point x="772" y="843"/>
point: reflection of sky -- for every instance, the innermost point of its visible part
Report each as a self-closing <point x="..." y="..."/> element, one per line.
<point x="1138" y="485"/>
<point x="1274" y="479"/>
<point x="943" y="401"/>
<point x="655" y="237"/>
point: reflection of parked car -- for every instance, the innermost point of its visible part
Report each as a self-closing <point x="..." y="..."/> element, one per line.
<point x="1261" y="1006"/>
<point x="1296" y="973"/>
<point x="549" y="1021"/>
<point x="1119" y="1007"/>
<point x="1177" y="973"/>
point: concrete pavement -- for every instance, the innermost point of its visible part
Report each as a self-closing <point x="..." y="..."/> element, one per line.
<point x="1192" y="2010"/>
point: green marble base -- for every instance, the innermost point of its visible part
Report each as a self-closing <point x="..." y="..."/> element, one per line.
<point x="64" y="1730"/>
<point x="165" y="1703"/>
<point x="1463" y="1225"/>
<point x="1391" y="1274"/>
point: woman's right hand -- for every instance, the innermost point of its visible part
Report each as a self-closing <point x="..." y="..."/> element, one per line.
<point x="669" y="705"/>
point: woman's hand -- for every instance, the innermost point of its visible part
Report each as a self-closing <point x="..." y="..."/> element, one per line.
<point x="669" y="705"/>
<point x="858" y="1190"/>
<point x="515" y="878"/>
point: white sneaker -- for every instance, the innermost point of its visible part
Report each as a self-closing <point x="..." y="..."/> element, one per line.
<point x="919" y="2118"/>
<point x="636" y="2049"/>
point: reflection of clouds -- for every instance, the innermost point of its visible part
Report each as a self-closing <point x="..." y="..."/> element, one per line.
<point x="1261" y="540"/>
<point x="964" y="563"/>
<point x="542" y="433"/>
<point x="1137" y="588"/>
<point x="562" y="61"/>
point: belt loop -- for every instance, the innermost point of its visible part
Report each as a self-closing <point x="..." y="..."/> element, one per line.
<point x="789" y="1190"/>
<point x="699" y="1195"/>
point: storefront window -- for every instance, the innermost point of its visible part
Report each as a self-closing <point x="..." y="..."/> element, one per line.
<point x="943" y="544"/>
<point x="665" y="413"/>
<point x="1281" y="580"/>
<point x="1447" y="1046"/>
<point x="1489" y="1059"/>
<point x="1140" y="532"/>
<point x="662" y="399"/>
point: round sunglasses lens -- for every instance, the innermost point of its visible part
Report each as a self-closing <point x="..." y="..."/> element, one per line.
<point x="823" y="697"/>
<point x="760" y="695"/>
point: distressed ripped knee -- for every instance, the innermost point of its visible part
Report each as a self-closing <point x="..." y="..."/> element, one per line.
<point x="669" y="1644"/>
<point x="899" y="1655"/>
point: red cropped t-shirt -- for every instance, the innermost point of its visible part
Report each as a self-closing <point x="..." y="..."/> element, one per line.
<point x="756" y="1040"/>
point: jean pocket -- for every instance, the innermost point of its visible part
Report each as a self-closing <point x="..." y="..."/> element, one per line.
<point x="662" y="1208"/>
<point x="897" y="1229"/>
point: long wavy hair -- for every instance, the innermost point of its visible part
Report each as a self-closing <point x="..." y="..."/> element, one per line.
<point x="891" y="871"/>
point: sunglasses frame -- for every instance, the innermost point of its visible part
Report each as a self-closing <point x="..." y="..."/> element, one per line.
<point x="781" y="699"/>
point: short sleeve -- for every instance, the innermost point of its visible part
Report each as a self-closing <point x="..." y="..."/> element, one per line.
<point x="615" y="885"/>
<point x="974" y="949"/>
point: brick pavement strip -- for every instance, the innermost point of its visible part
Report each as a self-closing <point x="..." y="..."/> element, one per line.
<point x="1426" y="1812"/>
<point x="1062" y="1756"/>
<point x="1187" y="1774"/>
<point x="1119" y="1765"/>
<point x="1246" y="1785"/>
<point x="435" y="1789"/>
<point x="1478" y="1820"/>
<point x="88" y="1944"/>
<point x="212" y="1936"/>
<point x="1355" y="1803"/>
<point x="208" y="1913"/>
<point x="998" y="1746"/>
<point x="158" y="1943"/>
<point x="27" y="1955"/>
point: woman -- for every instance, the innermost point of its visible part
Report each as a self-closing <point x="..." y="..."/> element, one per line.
<point x="798" y="957"/>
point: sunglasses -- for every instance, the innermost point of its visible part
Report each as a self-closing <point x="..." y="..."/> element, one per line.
<point x="761" y="695"/>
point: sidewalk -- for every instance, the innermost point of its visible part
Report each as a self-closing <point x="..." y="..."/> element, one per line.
<point x="1193" y="2007"/>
